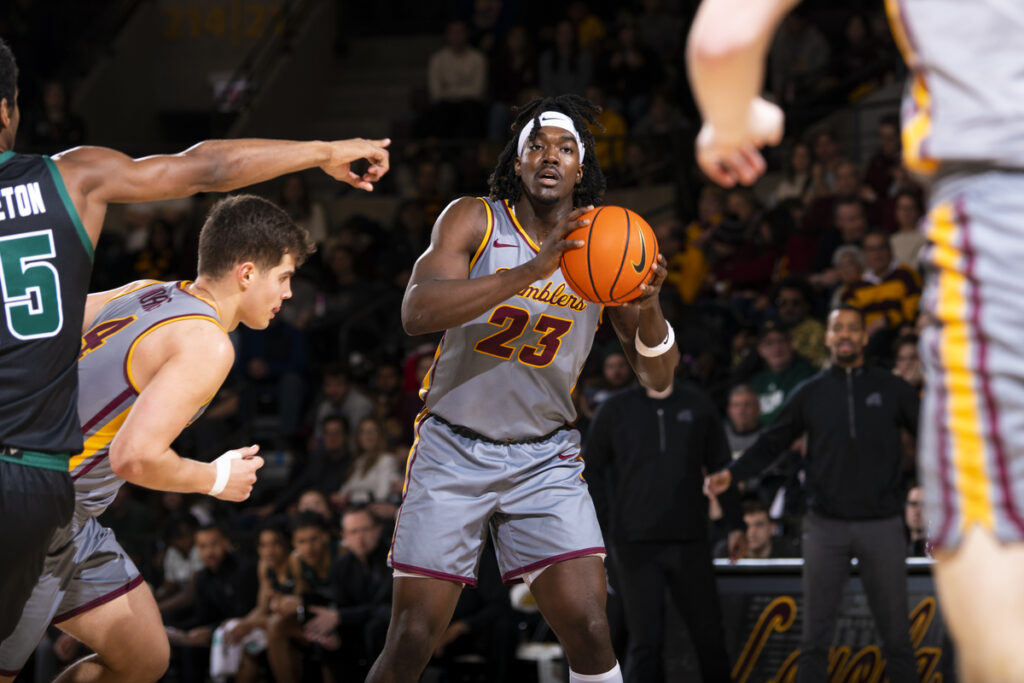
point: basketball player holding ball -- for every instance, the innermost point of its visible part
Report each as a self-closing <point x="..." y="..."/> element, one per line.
<point x="494" y="452"/>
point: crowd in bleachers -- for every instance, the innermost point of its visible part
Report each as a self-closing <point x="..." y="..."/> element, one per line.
<point x="330" y="390"/>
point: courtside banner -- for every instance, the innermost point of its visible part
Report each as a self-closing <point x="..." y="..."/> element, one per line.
<point x="762" y="610"/>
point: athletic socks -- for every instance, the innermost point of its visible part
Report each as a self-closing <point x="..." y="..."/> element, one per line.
<point x="614" y="675"/>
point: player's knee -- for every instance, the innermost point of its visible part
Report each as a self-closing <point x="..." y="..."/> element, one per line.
<point x="589" y="628"/>
<point x="414" y="636"/>
<point x="146" y="659"/>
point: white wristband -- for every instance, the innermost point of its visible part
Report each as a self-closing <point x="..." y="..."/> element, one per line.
<point x="223" y="464"/>
<point x="655" y="351"/>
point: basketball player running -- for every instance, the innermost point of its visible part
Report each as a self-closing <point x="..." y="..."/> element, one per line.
<point x="963" y="135"/>
<point x="51" y="215"/>
<point x="153" y="356"/>
<point x="494" y="450"/>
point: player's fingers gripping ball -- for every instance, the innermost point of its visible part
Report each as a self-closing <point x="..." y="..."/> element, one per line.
<point x="618" y="255"/>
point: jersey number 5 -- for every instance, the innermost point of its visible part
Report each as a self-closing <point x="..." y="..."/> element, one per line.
<point x="513" y="322"/>
<point x="30" y="285"/>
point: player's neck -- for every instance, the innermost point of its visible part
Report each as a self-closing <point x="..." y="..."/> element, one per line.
<point x="218" y="294"/>
<point x="539" y="219"/>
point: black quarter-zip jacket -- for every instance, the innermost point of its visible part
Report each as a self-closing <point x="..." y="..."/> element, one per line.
<point x="853" y="420"/>
<point x="645" y="463"/>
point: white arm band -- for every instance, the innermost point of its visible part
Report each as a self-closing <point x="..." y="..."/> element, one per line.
<point x="223" y="464"/>
<point x="655" y="351"/>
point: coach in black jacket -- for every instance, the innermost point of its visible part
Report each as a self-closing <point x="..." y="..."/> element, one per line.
<point x="646" y="454"/>
<point x="852" y="414"/>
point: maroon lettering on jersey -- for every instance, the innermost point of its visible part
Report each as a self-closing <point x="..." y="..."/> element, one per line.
<point x="153" y="299"/>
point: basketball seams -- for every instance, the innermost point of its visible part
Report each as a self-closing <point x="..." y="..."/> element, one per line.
<point x="590" y="267"/>
<point x="622" y="263"/>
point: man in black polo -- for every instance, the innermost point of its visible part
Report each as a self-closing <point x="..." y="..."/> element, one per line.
<point x="646" y="454"/>
<point x="852" y="414"/>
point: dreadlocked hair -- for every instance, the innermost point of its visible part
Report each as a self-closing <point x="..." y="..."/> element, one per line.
<point x="506" y="185"/>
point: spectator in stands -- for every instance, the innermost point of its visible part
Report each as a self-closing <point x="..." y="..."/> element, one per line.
<point x="644" y="455"/>
<point x="457" y="82"/>
<point x="176" y="595"/>
<point x="917" y="534"/>
<point x="857" y="67"/>
<point x="853" y="415"/>
<point x="799" y="57"/>
<point x="310" y="564"/>
<point x="158" y="259"/>
<point x="630" y="70"/>
<point x="891" y="300"/>
<point x="307" y="213"/>
<point x="796" y="175"/>
<point x="882" y="165"/>
<point x="226" y="588"/>
<point x="275" y="579"/>
<point x="820" y="215"/>
<point x="513" y="68"/>
<point x="56" y="127"/>
<point x="783" y="370"/>
<point x="826" y="159"/>
<point x="616" y="375"/>
<point x="374" y="475"/>
<point x="848" y="264"/>
<point x="908" y="240"/>
<point x="743" y="424"/>
<point x="590" y="29"/>
<point x="609" y="133"/>
<point x="409" y="235"/>
<point x="323" y="469"/>
<point x="353" y="626"/>
<point x="763" y="541"/>
<point x="565" y="67"/>
<point x="272" y="366"/>
<point x="806" y="333"/>
<point x="851" y="223"/>
<point x="340" y="396"/>
<point x="907" y="361"/>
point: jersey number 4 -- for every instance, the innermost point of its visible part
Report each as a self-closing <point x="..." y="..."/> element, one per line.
<point x="30" y="285"/>
<point x="513" y="322"/>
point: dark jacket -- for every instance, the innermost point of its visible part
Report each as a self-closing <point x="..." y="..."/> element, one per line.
<point x="228" y="592"/>
<point x="645" y="463"/>
<point x="854" y="449"/>
<point x="362" y="591"/>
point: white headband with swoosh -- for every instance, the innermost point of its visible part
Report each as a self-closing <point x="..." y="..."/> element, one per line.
<point x="550" y="118"/>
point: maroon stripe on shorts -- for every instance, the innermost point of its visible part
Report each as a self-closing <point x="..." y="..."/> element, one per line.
<point x="943" y="455"/>
<point x="103" y="599"/>
<point x="1002" y="470"/>
<point x="431" y="574"/>
<point x="517" y="574"/>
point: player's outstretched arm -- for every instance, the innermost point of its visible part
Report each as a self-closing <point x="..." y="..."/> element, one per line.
<point x="178" y="368"/>
<point x="97" y="176"/>
<point x="725" y="59"/>
<point x="440" y="294"/>
<point x="644" y="319"/>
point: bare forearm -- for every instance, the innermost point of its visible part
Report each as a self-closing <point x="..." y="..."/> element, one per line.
<point x="435" y="305"/>
<point x="165" y="471"/>
<point x="238" y="163"/>
<point x="725" y="57"/>
<point x="650" y="324"/>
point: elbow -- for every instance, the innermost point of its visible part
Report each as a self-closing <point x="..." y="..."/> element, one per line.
<point x="126" y="463"/>
<point x="712" y="49"/>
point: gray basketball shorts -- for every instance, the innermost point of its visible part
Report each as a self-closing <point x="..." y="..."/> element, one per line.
<point x="531" y="497"/>
<point x="971" y="441"/>
<point x="85" y="568"/>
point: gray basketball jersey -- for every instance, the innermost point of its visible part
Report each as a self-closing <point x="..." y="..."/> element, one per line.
<point x="509" y="374"/>
<point x="965" y="92"/>
<point x="107" y="390"/>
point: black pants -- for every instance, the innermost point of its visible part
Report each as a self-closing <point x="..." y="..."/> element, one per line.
<point x="684" y="569"/>
<point x="33" y="504"/>
<point x="880" y="548"/>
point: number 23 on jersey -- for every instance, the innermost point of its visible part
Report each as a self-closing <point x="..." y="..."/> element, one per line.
<point x="513" y="322"/>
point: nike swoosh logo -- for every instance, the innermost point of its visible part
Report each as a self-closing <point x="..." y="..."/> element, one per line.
<point x="639" y="268"/>
<point x="499" y="244"/>
<point x="566" y="456"/>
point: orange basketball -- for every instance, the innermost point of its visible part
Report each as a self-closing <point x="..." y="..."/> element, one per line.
<point x="618" y="256"/>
